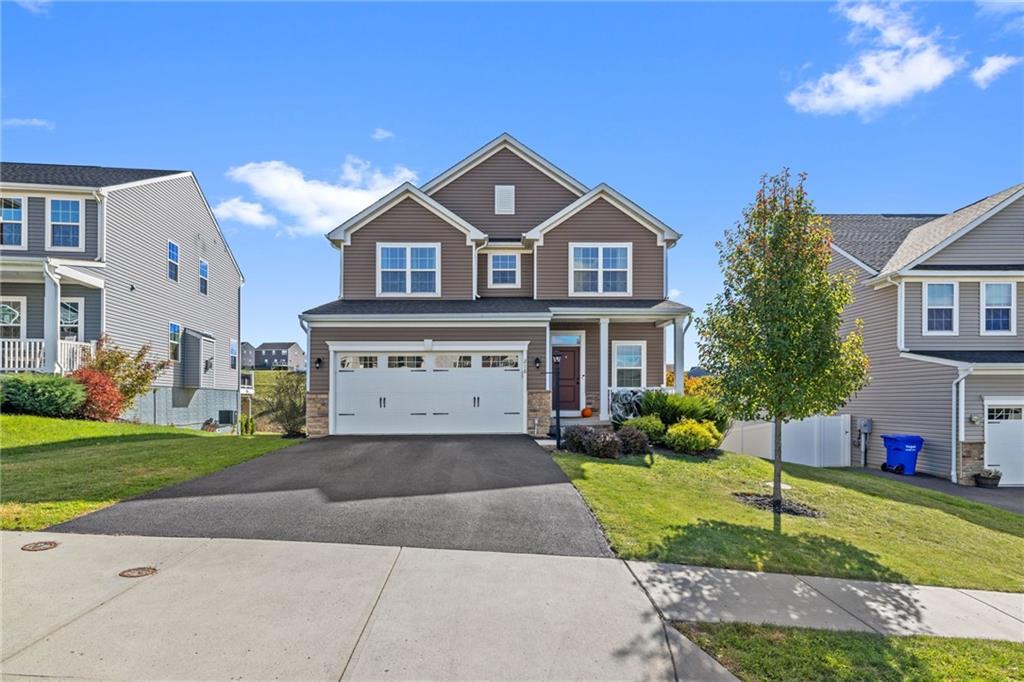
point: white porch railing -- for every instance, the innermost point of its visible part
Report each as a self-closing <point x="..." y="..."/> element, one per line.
<point x="29" y="355"/>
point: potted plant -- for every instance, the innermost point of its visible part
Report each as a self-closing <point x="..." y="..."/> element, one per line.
<point x="988" y="478"/>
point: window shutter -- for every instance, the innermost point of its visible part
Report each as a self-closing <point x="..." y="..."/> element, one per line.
<point x="504" y="199"/>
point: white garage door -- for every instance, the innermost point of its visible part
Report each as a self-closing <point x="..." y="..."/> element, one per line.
<point x="1004" y="441"/>
<point x="429" y="392"/>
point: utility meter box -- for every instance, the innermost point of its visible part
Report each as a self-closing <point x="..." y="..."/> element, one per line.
<point x="864" y="425"/>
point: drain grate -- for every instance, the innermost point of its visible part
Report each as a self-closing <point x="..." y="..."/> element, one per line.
<point x="38" y="546"/>
<point x="139" y="572"/>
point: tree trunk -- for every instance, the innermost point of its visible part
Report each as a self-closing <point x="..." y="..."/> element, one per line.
<point x="777" y="477"/>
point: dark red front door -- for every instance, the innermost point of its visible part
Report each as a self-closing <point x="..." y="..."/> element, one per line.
<point x="569" y="378"/>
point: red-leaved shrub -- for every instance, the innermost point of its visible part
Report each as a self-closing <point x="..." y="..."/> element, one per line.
<point x="103" y="402"/>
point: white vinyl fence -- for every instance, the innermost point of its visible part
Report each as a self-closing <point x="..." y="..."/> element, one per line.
<point x="815" y="441"/>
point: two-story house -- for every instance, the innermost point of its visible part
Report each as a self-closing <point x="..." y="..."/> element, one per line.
<point x="248" y="355"/>
<point x="456" y="297"/>
<point x="940" y="299"/>
<point x="133" y="254"/>
<point x="280" y="355"/>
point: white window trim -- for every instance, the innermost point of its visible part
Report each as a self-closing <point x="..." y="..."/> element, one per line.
<point x="167" y="255"/>
<point x="23" y="324"/>
<point x="924" y="311"/>
<point x="81" y="316"/>
<point x="490" y="271"/>
<point x="600" y="246"/>
<point x="582" y="345"/>
<point x="181" y="336"/>
<point x="408" y="246"/>
<point x="81" y="226"/>
<point x="497" y="208"/>
<point x="199" y="272"/>
<point x="615" y="363"/>
<point x="1013" y="310"/>
<point x="24" y="224"/>
<point x="233" y="342"/>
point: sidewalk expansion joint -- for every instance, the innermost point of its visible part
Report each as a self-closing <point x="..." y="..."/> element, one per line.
<point x="838" y="606"/>
<point x="369" y="616"/>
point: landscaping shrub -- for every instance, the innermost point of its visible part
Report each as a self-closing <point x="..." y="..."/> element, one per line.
<point x="634" y="441"/>
<point x="103" y="402"/>
<point x="671" y="408"/>
<point x="285" y="404"/>
<point x="577" y="438"/>
<point x="246" y="425"/>
<point x="46" y="395"/>
<point x="604" y="445"/>
<point x="650" y="425"/>
<point x="693" y="436"/>
<point x="131" y="373"/>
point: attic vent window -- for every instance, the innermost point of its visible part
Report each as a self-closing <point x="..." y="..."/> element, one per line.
<point x="504" y="199"/>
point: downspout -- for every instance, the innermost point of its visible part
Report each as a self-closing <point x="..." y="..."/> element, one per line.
<point x="477" y="248"/>
<point x="955" y="390"/>
<point x="101" y="221"/>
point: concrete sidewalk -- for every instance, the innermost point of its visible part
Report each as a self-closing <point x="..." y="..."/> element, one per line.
<point x="694" y="593"/>
<point x="220" y="608"/>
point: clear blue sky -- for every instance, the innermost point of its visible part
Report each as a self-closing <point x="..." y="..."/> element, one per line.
<point x="679" y="106"/>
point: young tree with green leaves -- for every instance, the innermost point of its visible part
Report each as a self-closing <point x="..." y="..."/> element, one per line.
<point x="772" y="336"/>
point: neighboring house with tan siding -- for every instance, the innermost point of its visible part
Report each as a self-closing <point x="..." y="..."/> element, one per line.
<point x="133" y="254"/>
<point x="940" y="297"/>
<point x="457" y="297"/>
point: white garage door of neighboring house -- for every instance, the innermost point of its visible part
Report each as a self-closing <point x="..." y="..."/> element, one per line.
<point x="1004" y="439"/>
<point x="422" y="392"/>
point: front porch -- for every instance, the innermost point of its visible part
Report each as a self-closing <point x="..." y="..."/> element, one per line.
<point x="29" y="355"/>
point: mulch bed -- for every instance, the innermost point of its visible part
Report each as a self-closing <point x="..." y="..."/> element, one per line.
<point x="788" y="506"/>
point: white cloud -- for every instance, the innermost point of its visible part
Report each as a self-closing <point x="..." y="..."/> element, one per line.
<point x="992" y="68"/>
<point x="248" y="212"/>
<point x="898" y="63"/>
<point x="35" y="6"/>
<point x="674" y="293"/>
<point x="381" y="134"/>
<point x="1011" y="12"/>
<point x="28" y="123"/>
<point x="316" y="206"/>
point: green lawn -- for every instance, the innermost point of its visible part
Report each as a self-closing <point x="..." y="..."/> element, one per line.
<point x="766" y="652"/>
<point x="681" y="510"/>
<point x="265" y="379"/>
<point x="52" y="470"/>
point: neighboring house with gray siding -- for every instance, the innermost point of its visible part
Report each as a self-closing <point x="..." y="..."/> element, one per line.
<point x="248" y="355"/>
<point x="133" y="254"/>
<point x="458" y="299"/>
<point x="940" y="298"/>
<point x="280" y="355"/>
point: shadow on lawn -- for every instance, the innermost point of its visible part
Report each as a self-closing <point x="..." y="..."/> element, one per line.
<point x="14" y="453"/>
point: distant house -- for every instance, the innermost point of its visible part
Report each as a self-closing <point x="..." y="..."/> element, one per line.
<point x="248" y="355"/>
<point x="696" y="371"/>
<point x="280" y="355"/>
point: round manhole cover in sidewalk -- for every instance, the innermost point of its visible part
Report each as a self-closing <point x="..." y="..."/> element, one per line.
<point x="139" y="572"/>
<point x="38" y="546"/>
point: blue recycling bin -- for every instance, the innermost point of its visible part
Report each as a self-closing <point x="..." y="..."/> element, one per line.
<point x="901" y="450"/>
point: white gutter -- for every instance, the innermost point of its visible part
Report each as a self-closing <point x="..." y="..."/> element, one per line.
<point x="901" y="333"/>
<point x="957" y="392"/>
<point x="101" y="222"/>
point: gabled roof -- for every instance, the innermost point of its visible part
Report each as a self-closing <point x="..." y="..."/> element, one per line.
<point x="75" y="176"/>
<point x="343" y="232"/>
<point x="924" y="241"/>
<point x="506" y="141"/>
<point x="872" y="239"/>
<point x="603" y="191"/>
<point x="276" y="345"/>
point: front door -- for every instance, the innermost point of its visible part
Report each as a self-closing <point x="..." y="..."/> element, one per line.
<point x="569" y="378"/>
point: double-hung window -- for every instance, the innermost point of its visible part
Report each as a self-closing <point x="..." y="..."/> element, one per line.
<point x="172" y="261"/>
<point x="630" y="359"/>
<point x="64" y="225"/>
<point x="408" y="269"/>
<point x="204" y="277"/>
<point x="600" y="269"/>
<point x="504" y="271"/>
<point x="998" y="307"/>
<point x="941" y="306"/>
<point x="12" y="227"/>
<point x="72" y="318"/>
<point x="233" y="354"/>
<point x="174" y="341"/>
<point x="12" y="317"/>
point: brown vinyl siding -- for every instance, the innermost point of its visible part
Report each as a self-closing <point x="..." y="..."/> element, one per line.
<point x="969" y="336"/>
<point x="319" y="336"/>
<point x="904" y="396"/>
<point x="999" y="240"/>
<point x="408" y="222"/>
<point x="600" y="222"/>
<point x="525" y="289"/>
<point x="471" y="195"/>
<point x="975" y="390"/>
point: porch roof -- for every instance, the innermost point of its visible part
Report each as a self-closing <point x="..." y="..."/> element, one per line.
<point x="495" y="306"/>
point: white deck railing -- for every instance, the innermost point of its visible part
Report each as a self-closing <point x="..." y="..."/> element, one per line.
<point x="73" y="354"/>
<point x="29" y="355"/>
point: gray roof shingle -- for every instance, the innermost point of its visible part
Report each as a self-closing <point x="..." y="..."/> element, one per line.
<point x="873" y="238"/>
<point x="75" y="176"/>
<point x="276" y="345"/>
<point x="483" y="306"/>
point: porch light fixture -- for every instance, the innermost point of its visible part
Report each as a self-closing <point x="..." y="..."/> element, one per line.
<point x="536" y="362"/>
<point x="318" y="363"/>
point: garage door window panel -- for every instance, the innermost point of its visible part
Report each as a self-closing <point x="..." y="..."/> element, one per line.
<point x="444" y="362"/>
<point x="405" y="362"/>
<point x="357" y="362"/>
<point x="500" y="362"/>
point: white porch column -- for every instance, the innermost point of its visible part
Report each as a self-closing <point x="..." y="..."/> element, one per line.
<point x="603" y="383"/>
<point x="51" y="318"/>
<point x="678" y="339"/>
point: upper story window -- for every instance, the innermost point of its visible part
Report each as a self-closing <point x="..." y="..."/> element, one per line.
<point x="504" y="200"/>
<point x="998" y="307"/>
<point x="600" y="269"/>
<point x="172" y="261"/>
<point x="630" y="358"/>
<point x="504" y="271"/>
<point x="174" y="341"/>
<point x="941" y="308"/>
<point x="12" y="317"/>
<point x="204" y="277"/>
<point x="233" y="354"/>
<point x="12" y="228"/>
<point x="408" y="269"/>
<point x="64" y="225"/>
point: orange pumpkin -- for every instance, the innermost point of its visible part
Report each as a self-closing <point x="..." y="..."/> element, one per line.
<point x="586" y="412"/>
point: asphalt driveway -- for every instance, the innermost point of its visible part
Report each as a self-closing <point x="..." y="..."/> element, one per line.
<point x="493" y="493"/>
